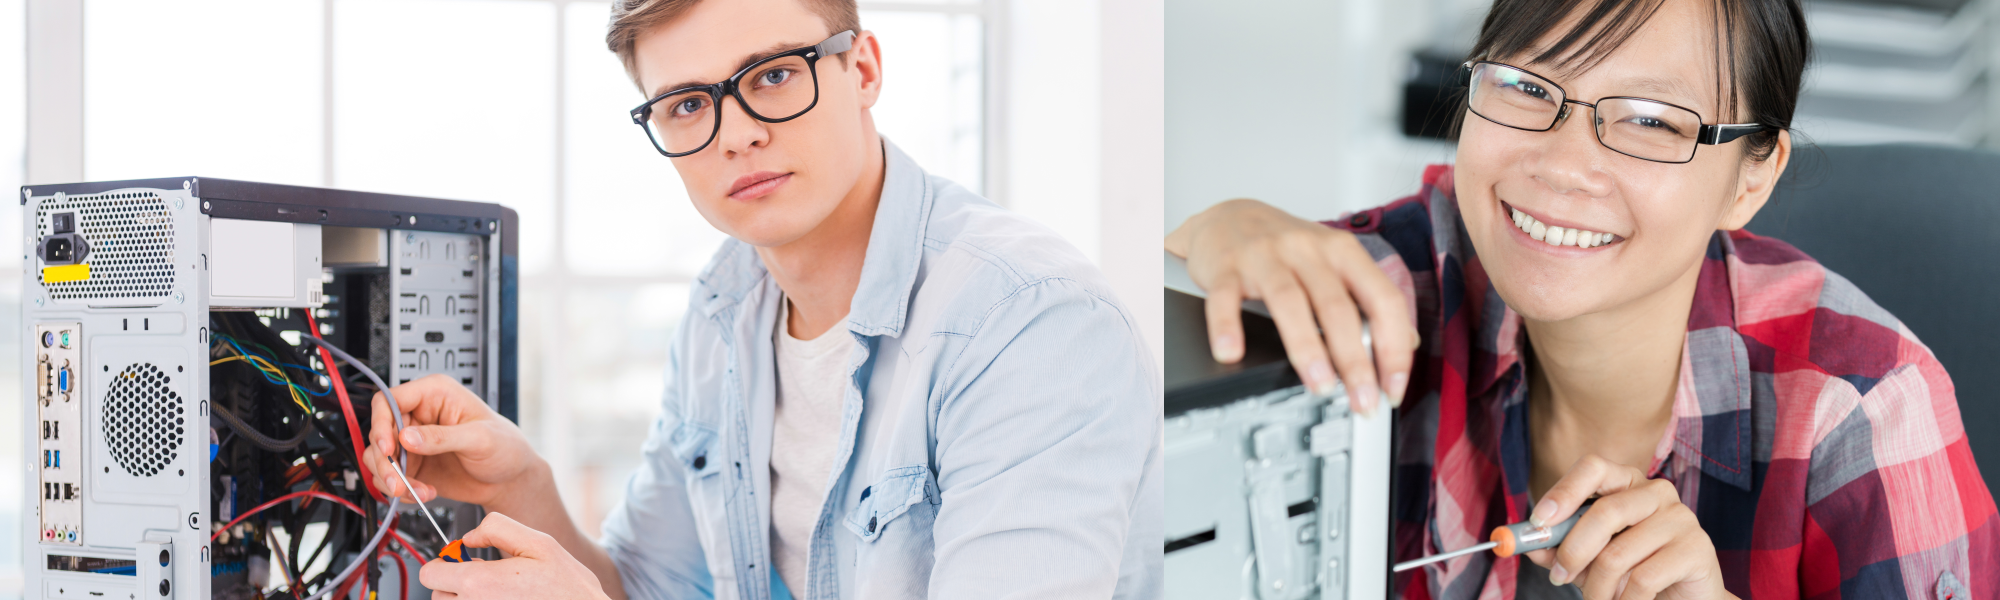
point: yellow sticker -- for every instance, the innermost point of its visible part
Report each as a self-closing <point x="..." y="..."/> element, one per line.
<point x="62" y="273"/>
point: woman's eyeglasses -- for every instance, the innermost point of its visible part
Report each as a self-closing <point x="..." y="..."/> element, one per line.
<point x="1636" y="127"/>
<point x="774" y="90"/>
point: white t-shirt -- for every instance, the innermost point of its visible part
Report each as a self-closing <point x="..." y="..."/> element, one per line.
<point x="806" y="424"/>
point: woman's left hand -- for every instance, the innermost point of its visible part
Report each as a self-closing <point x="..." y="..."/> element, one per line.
<point x="1638" y="541"/>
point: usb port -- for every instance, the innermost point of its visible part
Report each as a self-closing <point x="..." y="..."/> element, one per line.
<point x="45" y="459"/>
<point x="58" y="459"/>
<point x="45" y="430"/>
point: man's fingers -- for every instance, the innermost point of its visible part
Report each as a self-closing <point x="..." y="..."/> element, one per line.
<point x="510" y="536"/>
<point x="444" y="576"/>
<point x="1225" y="320"/>
<point x="381" y="426"/>
<point x="470" y="439"/>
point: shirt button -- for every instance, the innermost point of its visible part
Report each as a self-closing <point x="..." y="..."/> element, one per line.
<point x="700" y="462"/>
<point x="1360" y="220"/>
<point x="871" y="524"/>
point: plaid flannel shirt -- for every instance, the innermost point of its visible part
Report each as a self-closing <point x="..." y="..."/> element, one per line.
<point x="1816" y="439"/>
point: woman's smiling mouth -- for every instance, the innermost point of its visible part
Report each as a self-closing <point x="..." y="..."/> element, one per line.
<point x="1552" y="235"/>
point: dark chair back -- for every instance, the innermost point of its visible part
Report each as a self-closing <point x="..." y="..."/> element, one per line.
<point x="1917" y="228"/>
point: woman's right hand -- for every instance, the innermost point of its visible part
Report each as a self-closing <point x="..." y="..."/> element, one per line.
<point x="458" y="447"/>
<point x="1317" y="282"/>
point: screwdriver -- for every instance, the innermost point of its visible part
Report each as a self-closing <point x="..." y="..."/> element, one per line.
<point x="452" y="552"/>
<point x="1509" y="540"/>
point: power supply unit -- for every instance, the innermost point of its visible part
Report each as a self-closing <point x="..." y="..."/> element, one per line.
<point x="192" y="442"/>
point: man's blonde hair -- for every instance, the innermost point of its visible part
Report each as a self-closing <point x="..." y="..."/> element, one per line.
<point x="629" y="18"/>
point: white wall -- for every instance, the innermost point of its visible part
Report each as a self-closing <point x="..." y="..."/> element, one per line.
<point x="1083" y="131"/>
<point x="1293" y="102"/>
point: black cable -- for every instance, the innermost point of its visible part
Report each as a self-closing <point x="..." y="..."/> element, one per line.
<point x="256" y="437"/>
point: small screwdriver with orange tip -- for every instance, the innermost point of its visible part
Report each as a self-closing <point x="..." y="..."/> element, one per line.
<point x="1509" y="540"/>
<point x="452" y="552"/>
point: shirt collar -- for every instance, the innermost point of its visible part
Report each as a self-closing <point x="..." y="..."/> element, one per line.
<point x="888" y="273"/>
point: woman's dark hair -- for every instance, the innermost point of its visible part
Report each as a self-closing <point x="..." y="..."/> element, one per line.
<point x="1763" y="44"/>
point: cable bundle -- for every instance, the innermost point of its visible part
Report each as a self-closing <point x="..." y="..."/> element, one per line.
<point x="293" y="464"/>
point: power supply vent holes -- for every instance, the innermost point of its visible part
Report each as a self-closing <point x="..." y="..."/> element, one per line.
<point x="131" y="237"/>
<point x="142" y="420"/>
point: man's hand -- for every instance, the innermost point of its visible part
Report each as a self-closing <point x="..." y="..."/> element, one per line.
<point x="536" y="567"/>
<point x="1637" y="542"/>
<point x="1317" y="281"/>
<point x="457" y="446"/>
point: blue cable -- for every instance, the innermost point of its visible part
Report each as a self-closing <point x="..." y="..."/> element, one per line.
<point x="267" y="376"/>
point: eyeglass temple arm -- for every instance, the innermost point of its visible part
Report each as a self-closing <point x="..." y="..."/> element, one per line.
<point x="840" y="42"/>
<point x="1723" y="134"/>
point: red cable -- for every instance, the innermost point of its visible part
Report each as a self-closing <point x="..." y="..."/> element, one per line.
<point x="281" y="499"/>
<point x="346" y="409"/>
<point x="409" y="548"/>
<point x="402" y="576"/>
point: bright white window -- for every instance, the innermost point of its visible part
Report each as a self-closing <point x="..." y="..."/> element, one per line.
<point x="217" y="88"/>
<point x="509" y="101"/>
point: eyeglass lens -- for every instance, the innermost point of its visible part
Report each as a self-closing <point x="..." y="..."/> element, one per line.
<point x="774" y="90"/>
<point x="1641" y="128"/>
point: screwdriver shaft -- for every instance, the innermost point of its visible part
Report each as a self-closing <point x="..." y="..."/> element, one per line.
<point x="420" y="500"/>
<point x="1412" y="564"/>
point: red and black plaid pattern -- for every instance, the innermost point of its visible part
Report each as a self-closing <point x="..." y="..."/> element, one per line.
<point x="1816" y="439"/>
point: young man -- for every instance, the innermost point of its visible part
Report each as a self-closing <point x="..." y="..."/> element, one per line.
<point x="885" y="386"/>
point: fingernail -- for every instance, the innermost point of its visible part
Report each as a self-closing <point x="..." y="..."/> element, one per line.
<point x="1224" y="347"/>
<point x="1398" y="384"/>
<point x="1319" y="377"/>
<point x="410" y="438"/>
<point x="1543" y="510"/>
<point x="1365" y="396"/>
<point x="1558" y="575"/>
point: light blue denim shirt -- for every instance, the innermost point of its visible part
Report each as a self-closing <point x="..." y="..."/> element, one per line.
<point x="1001" y="434"/>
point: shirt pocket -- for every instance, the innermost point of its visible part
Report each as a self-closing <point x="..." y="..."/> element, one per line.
<point x="693" y="445"/>
<point x="904" y="501"/>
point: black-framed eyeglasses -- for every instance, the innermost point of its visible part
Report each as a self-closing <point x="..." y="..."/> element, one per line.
<point x="1637" y="127"/>
<point x="782" y="87"/>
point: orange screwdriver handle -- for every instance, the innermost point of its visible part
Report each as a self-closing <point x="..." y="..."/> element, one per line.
<point x="453" y="552"/>
<point x="1522" y="537"/>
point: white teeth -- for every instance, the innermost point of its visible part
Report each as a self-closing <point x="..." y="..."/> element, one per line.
<point x="1558" y="236"/>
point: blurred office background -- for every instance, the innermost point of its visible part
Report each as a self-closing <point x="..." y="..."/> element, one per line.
<point x="1051" y="107"/>
<point x="1321" y="107"/>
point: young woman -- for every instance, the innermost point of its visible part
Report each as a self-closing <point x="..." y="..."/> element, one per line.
<point x="1573" y="311"/>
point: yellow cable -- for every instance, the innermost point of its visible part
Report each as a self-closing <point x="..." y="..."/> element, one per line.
<point x="267" y="367"/>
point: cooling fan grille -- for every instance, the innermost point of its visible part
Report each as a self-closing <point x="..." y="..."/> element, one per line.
<point x="143" y="420"/>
